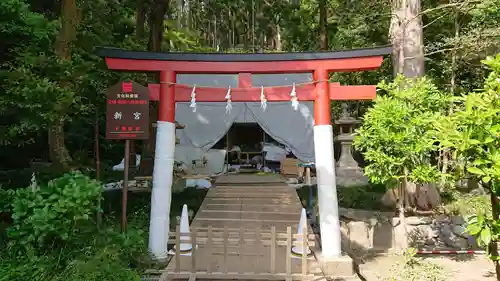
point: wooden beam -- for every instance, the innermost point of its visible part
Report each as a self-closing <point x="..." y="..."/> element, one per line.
<point x="333" y="65"/>
<point x="273" y="94"/>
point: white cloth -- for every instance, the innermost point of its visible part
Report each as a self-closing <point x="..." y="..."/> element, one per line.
<point x="235" y="148"/>
<point x="274" y="152"/>
<point x="121" y="166"/>
<point x="215" y="159"/>
<point x="205" y="127"/>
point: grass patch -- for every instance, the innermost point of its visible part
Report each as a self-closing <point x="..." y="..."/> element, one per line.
<point x="366" y="197"/>
<point x="465" y="204"/>
<point x="412" y="268"/>
<point x="139" y="204"/>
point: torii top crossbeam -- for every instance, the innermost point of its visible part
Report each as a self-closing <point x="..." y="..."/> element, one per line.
<point x="320" y="64"/>
<point x="338" y="61"/>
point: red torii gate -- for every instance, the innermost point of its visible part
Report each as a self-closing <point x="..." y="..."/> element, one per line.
<point x="244" y="65"/>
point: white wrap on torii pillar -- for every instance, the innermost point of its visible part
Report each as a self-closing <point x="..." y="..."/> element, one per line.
<point x="163" y="168"/>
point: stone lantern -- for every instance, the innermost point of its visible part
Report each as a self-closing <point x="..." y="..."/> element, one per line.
<point x="347" y="170"/>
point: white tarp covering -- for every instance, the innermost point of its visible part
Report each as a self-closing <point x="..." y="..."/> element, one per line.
<point x="205" y="127"/>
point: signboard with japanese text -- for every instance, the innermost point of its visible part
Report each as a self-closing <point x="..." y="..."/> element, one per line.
<point x="127" y="112"/>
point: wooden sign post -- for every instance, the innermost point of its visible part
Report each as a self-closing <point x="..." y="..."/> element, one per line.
<point x="127" y="118"/>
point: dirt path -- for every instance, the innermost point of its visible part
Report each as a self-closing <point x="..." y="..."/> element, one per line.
<point x="456" y="268"/>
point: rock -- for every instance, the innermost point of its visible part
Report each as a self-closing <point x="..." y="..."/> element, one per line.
<point x="442" y="219"/>
<point x="434" y="229"/>
<point x="478" y="191"/>
<point x="345" y="236"/>
<point x="358" y="215"/>
<point x="459" y="230"/>
<point x="383" y="236"/>
<point x="426" y="198"/>
<point x="420" y="235"/>
<point x="359" y="235"/>
<point x="472" y="243"/>
<point x="462" y="184"/>
<point x="456" y="242"/>
<point x="418" y="220"/>
<point x="445" y="231"/>
<point x="399" y="237"/>
<point x="457" y="220"/>
<point x="390" y="198"/>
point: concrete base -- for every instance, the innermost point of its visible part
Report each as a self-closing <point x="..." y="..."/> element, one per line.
<point x="341" y="268"/>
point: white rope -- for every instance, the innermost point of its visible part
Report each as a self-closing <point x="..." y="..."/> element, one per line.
<point x="229" y="106"/>
<point x="33" y="184"/>
<point x="263" y="100"/>
<point x="295" y="101"/>
<point x="193" y="98"/>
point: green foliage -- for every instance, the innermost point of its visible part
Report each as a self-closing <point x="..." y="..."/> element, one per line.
<point x="54" y="236"/>
<point x="467" y="205"/>
<point x="473" y="129"/>
<point x="485" y="229"/>
<point x="18" y="22"/>
<point x="472" y="132"/>
<point x="51" y="214"/>
<point x="466" y="30"/>
<point x="39" y="89"/>
<point x="100" y="255"/>
<point x="5" y="200"/>
<point x="28" y="35"/>
<point x="396" y="134"/>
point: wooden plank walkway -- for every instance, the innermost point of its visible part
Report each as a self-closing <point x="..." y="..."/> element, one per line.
<point x="247" y="179"/>
<point x="246" y="209"/>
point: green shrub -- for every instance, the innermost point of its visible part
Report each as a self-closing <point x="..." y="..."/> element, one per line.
<point x="5" y="200"/>
<point x="54" y="211"/>
<point x="106" y="255"/>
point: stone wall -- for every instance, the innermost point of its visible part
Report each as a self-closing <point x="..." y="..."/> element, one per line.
<point x="381" y="231"/>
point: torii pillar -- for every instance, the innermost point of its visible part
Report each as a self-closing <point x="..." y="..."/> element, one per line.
<point x="325" y="168"/>
<point x="163" y="169"/>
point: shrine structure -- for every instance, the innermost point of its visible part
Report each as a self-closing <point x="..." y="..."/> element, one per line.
<point x="319" y="90"/>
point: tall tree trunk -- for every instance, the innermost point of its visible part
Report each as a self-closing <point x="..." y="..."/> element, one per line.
<point x="277" y="38"/>
<point x="156" y="27"/>
<point x="414" y="65"/>
<point x="323" y="25"/>
<point x="396" y="35"/>
<point x="402" y="205"/>
<point x="179" y="15"/>
<point x="59" y="153"/>
<point x="157" y="17"/>
<point x="187" y="14"/>
<point x="406" y="33"/>
<point x="140" y="19"/>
